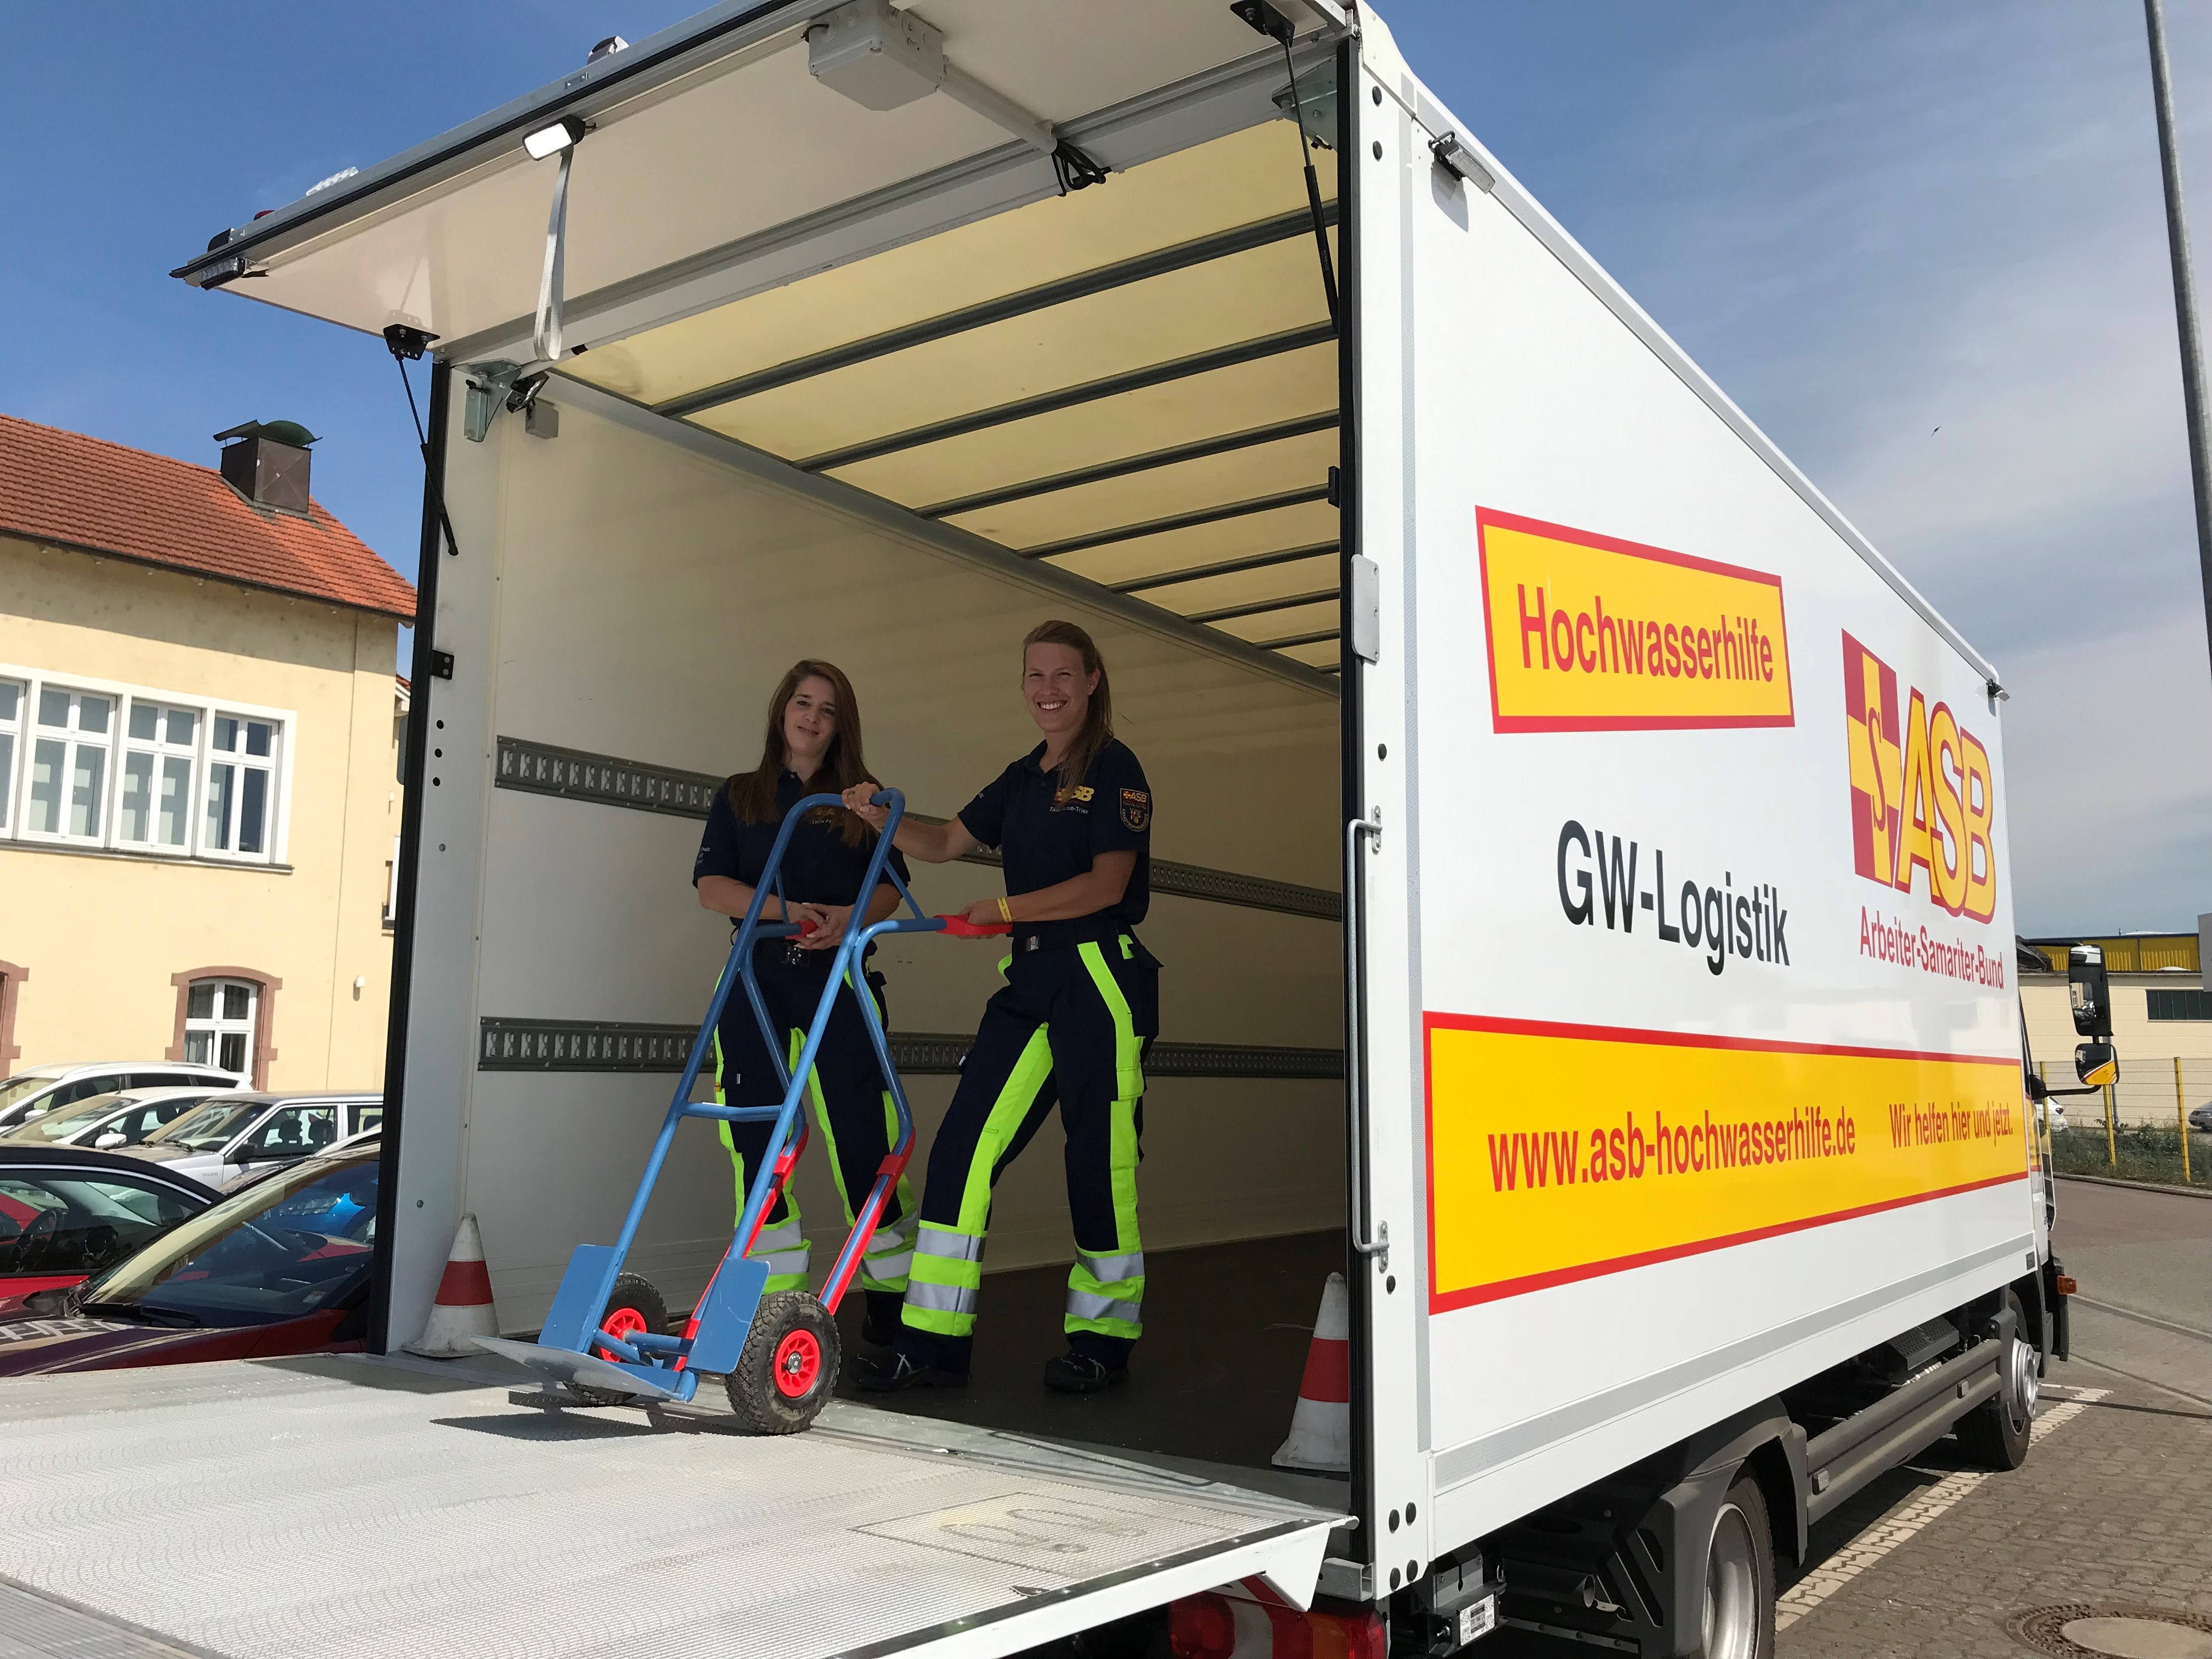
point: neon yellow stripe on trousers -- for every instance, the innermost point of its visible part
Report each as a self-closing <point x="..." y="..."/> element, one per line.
<point x="884" y="1268"/>
<point x="1115" y="1307"/>
<point x="783" y="1247"/>
<point x="948" y="1261"/>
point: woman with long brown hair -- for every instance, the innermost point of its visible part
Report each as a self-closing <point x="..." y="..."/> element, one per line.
<point x="812" y="748"/>
<point x="1072" y="822"/>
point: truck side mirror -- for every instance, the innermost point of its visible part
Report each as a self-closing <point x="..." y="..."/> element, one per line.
<point x="2091" y="992"/>
<point x="2097" y="1063"/>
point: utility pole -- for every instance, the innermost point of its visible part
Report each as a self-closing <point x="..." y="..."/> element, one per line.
<point x="2184" y="303"/>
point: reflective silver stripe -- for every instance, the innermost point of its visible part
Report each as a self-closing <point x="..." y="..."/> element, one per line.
<point x="783" y="1235"/>
<point x="945" y="1298"/>
<point x="888" y="1267"/>
<point x="953" y="1246"/>
<point x="1113" y="1269"/>
<point x="1081" y="1305"/>
<point x="785" y="1264"/>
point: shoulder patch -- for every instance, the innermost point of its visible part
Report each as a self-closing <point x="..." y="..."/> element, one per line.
<point x="1136" y="808"/>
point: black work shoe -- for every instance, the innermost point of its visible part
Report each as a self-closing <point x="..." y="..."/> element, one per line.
<point x="1078" y="1373"/>
<point x="873" y="1335"/>
<point x="894" y="1372"/>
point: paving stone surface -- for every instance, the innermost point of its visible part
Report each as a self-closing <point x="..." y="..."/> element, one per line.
<point x="2114" y="1504"/>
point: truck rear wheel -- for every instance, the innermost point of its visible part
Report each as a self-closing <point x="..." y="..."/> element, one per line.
<point x="1738" y="1610"/>
<point x="633" y="1305"/>
<point x="789" y="1366"/>
<point x="1996" y="1434"/>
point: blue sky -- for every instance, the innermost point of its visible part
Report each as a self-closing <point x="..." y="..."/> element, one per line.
<point x="1867" y="221"/>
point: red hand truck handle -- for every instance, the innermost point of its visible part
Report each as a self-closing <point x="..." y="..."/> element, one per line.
<point x="961" y="927"/>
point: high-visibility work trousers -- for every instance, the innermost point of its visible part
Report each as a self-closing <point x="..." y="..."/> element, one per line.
<point x="1071" y="1027"/>
<point x="852" y="1110"/>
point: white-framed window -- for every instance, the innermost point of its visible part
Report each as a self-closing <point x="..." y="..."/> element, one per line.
<point x="66" y="791"/>
<point x="240" y="793"/>
<point x="87" y="763"/>
<point x="12" y="735"/>
<point x="219" y="1016"/>
<point x="154" y="805"/>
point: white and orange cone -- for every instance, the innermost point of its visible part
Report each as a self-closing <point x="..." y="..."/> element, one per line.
<point x="1320" y="1427"/>
<point x="463" y="1312"/>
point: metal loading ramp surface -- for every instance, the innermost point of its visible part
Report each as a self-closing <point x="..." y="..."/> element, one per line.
<point x="341" y="1506"/>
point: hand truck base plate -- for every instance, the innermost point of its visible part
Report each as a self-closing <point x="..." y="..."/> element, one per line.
<point x="564" y="1366"/>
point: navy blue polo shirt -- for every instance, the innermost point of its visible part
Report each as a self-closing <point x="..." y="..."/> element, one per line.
<point x="818" y="867"/>
<point x="1044" y="837"/>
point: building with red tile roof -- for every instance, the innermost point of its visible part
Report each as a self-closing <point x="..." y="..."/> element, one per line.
<point x="86" y="493"/>
<point x="200" y="730"/>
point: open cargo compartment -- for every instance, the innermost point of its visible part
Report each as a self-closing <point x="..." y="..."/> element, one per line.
<point x="1120" y="405"/>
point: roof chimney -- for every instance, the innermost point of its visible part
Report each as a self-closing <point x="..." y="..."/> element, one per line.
<point x="268" y="463"/>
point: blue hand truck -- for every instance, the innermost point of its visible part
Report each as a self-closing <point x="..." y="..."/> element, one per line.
<point x="606" y="1337"/>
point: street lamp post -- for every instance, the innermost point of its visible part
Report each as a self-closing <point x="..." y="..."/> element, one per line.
<point x="2184" y="303"/>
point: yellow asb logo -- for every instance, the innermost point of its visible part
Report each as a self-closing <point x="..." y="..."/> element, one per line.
<point x="1921" y="792"/>
<point x="1588" y="633"/>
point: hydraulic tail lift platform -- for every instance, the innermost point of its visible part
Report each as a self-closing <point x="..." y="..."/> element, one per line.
<point x="778" y="1354"/>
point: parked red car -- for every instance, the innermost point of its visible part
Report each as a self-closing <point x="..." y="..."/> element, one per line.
<point x="280" y="1267"/>
<point x="67" y="1212"/>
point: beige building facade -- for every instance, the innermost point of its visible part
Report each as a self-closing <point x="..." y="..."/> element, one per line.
<point x="200" y="791"/>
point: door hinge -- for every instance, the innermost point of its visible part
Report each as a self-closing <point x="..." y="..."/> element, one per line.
<point x="441" y="665"/>
<point x="1366" y="609"/>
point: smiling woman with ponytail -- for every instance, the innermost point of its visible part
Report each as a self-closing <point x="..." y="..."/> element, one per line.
<point x="1072" y="821"/>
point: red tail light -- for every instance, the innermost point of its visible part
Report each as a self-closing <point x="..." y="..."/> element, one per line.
<point x="1201" y="1627"/>
<point x="1361" y="1633"/>
<point x="1215" y="1625"/>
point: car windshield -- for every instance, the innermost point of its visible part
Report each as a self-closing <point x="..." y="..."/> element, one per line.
<point x="67" y="1120"/>
<point x="285" y="1247"/>
<point x="15" y="1088"/>
<point x="210" y="1126"/>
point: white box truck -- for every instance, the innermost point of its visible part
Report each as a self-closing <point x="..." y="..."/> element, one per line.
<point x="1581" y="869"/>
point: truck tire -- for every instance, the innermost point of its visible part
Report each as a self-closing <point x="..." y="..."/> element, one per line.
<point x="1739" y="1605"/>
<point x="632" y="1306"/>
<point x="789" y="1366"/>
<point x="1995" y="1433"/>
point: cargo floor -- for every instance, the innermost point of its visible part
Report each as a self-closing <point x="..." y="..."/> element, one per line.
<point x="1213" y="1381"/>
<point x="328" y="1507"/>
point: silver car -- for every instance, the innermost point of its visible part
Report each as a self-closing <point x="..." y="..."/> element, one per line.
<point x="106" y="1121"/>
<point x="231" y="1136"/>
<point x="36" y="1089"/>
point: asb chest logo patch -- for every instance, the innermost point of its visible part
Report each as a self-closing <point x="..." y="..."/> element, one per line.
<point x="1136" y="809"/>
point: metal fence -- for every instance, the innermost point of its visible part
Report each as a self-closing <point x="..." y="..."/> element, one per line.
<point x="2138" y="1128"/>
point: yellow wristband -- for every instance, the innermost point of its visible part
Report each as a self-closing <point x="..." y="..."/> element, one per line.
<point x="1004" y="915"/>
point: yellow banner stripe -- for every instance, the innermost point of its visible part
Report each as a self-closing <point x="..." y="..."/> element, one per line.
<point x="1560" y="1152"/>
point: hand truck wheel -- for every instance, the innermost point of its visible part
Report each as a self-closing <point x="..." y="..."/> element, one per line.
<point x="632" y="1306"/>
<point x="788" y="1370"/>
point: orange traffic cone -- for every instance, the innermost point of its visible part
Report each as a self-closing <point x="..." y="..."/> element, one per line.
<point x="1320" y="1427"/>
<point x="463" y="1312"/>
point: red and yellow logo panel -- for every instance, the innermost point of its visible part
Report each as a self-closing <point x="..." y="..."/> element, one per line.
<point x="1590" y="634"/>
<point x="1921" y="797"/>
